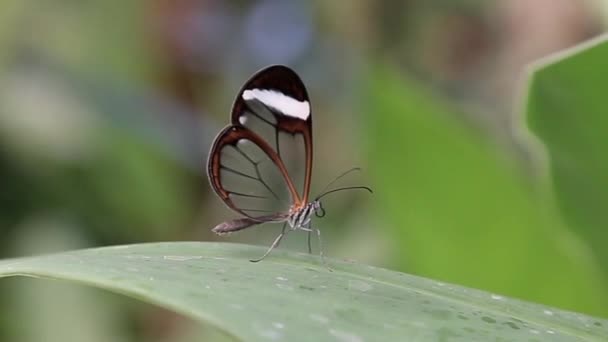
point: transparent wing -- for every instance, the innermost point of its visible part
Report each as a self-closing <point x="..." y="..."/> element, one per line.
<point x="290" y="148"/>
<point x="274" y="104"/>
<point x="247" y="174"/>
<point x="261" y="164"/>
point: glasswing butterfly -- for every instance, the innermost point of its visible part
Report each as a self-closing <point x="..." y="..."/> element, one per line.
<point x="255" y="162"/>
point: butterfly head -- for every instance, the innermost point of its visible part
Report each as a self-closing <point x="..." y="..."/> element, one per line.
<point x="318" y="208"/>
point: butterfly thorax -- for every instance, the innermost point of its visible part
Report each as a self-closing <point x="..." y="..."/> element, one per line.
<point x="300" y="217"/>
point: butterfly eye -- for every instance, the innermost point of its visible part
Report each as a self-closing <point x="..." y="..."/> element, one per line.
<point x="319" y="211"/>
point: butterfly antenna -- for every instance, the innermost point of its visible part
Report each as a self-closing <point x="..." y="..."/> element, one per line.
<point x="340" y="176"/>
<point x="345" y="188"/>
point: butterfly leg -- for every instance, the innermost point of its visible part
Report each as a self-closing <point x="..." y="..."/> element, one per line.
<point x="321" y="248"/>
<point x="274" y="244"/>
<point x="309" y="229"/>
<point x="309" y="245"/>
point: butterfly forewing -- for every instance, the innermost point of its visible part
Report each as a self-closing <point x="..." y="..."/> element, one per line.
<point x="290" y="148"/>
<point x="260" y="164"/>
<point x="274" y="103"/>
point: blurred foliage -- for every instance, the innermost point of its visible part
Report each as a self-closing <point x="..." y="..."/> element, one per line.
<point x="567" y="109"/>
<point x="460" y="212"/>
<point x="91" y="167"/>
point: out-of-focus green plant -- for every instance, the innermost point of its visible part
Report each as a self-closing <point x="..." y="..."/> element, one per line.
<point x="459" y="211"/>
<point x="568" y="110"/>
<point x="71" y="156"/>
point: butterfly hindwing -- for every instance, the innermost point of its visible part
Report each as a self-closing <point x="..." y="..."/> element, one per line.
<point x="246" y="173"/>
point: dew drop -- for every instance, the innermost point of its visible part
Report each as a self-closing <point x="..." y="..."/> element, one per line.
<point x="181" y="257"/>
<point x="304" y="287"/>
<point x="388" y="326"/>
<point x="488" y="319"/>
<point x="359" y="285"/>
<point x="270" y="334"/>
<point x="345" y="336"/>
<point x="120" y="247"/>
<point x="512" y="325"/>
<point x="284" y="286"/>
<point x="319" y="318"/>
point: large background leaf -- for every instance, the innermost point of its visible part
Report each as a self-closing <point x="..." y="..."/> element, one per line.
<point x="568" y="110"/>
<point x="461" y="212"/>
<point x="291" y="296"/>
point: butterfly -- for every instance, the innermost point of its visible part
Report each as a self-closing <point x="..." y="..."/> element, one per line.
<point x="249" y="166"/>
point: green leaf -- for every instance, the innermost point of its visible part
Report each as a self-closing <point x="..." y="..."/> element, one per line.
<point x="291" y="296"/>
<point x="459" y="211"/>
<point x="567" y="109"/>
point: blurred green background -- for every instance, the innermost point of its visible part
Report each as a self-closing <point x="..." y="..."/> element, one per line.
<point x="108" y="109"/>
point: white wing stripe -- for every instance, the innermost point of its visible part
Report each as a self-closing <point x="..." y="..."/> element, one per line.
<point x="279" y="101"/>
